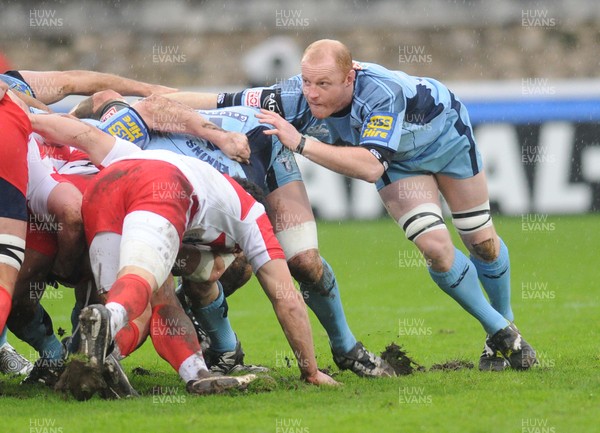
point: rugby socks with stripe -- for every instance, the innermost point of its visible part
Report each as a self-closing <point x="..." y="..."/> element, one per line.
<point x="324" y="300"/>
<point x="495" y="278"/>
<point x="461" y="283"/>
<point x="214" y="321"/>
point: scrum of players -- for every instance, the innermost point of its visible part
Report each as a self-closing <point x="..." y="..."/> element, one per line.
<point x="116" y="200"/>
<point x="59" y="174"/>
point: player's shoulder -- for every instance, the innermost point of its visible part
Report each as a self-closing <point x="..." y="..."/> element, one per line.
<point x="16" y="81"/>
<point x="374" y="71"/>
<point x="378" y="88"/>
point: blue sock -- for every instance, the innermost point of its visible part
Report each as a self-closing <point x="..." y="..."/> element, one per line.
<point x="328" y="309"/>
<point x="495" y="278"/>
<point x="461" y="283"/>
<point x="213" y="319"/>
<point x="39" y="334"/>
<point x="3" y="336"/>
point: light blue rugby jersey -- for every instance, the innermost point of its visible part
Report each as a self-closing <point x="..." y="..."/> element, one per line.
<point x="390" y="111"/>
<point x="127" y="124"/>
<point x="237" y="121"/>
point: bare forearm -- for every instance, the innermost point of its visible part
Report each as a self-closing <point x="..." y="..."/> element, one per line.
<point x="293" y="319"/>
<point x="351" y="161"/>
<point x="167" y="115"/>
<point x="163" y="114"/>
<point x="64" y="130"/>
<point x="52" y="86"/>
<point x="196" y="100"/>
<point x="291" y="313"/>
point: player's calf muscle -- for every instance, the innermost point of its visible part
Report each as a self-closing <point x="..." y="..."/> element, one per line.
<point x="486" y="250"/>
<point x="306" y="266"/>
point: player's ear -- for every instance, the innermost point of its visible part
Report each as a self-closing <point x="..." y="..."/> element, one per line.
<point x="350" y="76"/>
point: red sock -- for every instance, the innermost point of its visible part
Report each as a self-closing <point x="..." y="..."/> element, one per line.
<point x="127" y="339"/>
<point x="5" y="305"/>
<point x="132" y="292"/>
<point x="173" y="335"/>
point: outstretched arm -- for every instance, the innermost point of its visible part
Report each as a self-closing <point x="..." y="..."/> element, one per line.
<point x="196" y="100"/>
<point x="52" y="86"/>
<point x="290" y="309"/>
<point x="67" y="130"/>
<point x="352" y="161"/>
<point x="166" y="115"/>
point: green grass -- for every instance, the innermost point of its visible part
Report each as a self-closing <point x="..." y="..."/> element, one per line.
<point x="385" y="292"/>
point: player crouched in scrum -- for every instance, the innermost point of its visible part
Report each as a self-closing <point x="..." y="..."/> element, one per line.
<point x="39" y="88"/>
<point x="274" y="169"/>
<point x="135" y="243"/>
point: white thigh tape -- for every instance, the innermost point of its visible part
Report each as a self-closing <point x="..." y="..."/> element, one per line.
<point x="298" y="239"/>
<point x="472" y="220"/>
<point x="104" y="259"/>
<point x="205" y="267"/>
<point x="422" y="219"/>
<point x="12" y="250"/>
<point x="150" y="242"/>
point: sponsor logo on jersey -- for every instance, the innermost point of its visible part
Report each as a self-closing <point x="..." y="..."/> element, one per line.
<point x="127" y="128"/>
<point x="270" y="103"/>
<point x="382" y="122"/>
<point x="252" y="98"/>
<point x="378" y="129"/>
<point x="378" y="126"/>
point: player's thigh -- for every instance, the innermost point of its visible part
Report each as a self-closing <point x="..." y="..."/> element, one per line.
<point x="294" y="225"/>
<point x="288" y="206"/>
<point x="13" y="227"/>
<point x="13" y="232"/>
<point x="463" y="194"/>
<point x="403" y="195"/>
<point x="414" y="204"/>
